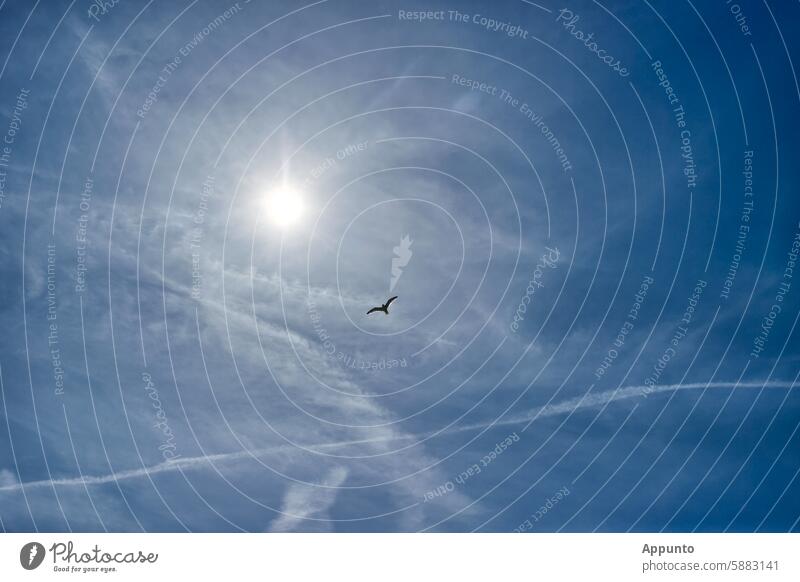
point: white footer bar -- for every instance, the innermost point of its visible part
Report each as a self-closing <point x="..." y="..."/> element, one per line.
<point x="400" y="557"/>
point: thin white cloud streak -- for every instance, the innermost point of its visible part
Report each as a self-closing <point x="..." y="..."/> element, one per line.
<point x="303" y="501"/>
<point x="563" y="407"/>
<point x="7" y="479"/>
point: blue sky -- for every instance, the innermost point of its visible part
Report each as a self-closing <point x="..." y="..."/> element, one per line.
<point x="596" y="322"/>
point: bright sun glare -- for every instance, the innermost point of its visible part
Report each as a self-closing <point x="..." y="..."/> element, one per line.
<point x="284" y="206"/>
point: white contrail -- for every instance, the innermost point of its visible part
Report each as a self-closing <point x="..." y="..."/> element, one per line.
<point x="563" y="407"/>
<point x="301" y="501"/>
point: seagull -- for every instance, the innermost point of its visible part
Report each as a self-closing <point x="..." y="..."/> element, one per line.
<point x="384" y="307"/>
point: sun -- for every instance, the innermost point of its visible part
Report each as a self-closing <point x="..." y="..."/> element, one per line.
<point x="284" y="206"/>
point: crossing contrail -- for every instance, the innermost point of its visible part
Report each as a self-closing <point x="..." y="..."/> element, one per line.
<point x="560" y="408"/>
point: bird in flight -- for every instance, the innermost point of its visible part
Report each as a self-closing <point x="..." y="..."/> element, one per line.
<point x="384" y="307"/>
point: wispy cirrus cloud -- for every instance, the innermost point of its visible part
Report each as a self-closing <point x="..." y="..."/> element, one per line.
<point x="7" y="479"/>
<point x="303" y="502"/>
<point x="561" y="408"/>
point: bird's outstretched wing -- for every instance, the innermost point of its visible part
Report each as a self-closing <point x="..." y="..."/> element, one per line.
<point x="374" y="309"/>
<point x="389" y="301"/>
